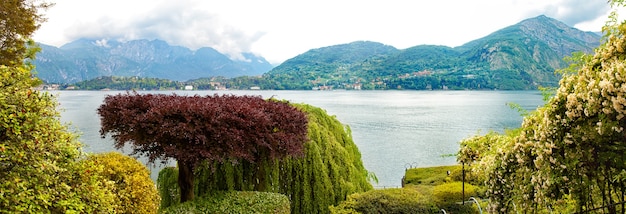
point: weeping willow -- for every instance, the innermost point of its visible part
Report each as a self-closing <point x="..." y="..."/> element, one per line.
<point x="330" y="170"/>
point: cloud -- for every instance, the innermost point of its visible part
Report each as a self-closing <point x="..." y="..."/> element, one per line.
<point x="572" y="12"/>
<point x="184" y="24"/>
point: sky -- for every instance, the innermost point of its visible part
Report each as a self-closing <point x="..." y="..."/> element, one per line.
<point x="281" y="29"/>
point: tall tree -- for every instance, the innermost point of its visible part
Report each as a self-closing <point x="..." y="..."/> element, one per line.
<point x="192" y="129"/>
<point x="18" y="21"/>
<point x="39" y="172"/>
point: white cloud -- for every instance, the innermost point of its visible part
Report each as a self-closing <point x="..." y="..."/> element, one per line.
<point x="281" y="29"/>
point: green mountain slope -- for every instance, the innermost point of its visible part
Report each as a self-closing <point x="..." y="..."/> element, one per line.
<point x="521" y="56"/>
<point x="326" y="66"/>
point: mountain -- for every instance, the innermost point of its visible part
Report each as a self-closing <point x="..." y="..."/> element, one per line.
<point x="521" y="56"/>
<point x="322" y="66"/>
<point x="86" y="59"/>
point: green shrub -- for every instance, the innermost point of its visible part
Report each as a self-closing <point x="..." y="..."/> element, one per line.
<point x="449" y="196"/>
<point x="457" y="175"/>
<point x="450" y="193"/>
<point x="133" y="188"/>
<point x="400" y="200"/>
<point x="234" y="202"/>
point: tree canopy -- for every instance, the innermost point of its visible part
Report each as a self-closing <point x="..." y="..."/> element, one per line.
<point x="39" y="167"/>
<point x="192" y="129"/>
<point x="19" y="19"/>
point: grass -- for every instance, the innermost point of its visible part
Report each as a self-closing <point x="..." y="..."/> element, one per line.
<point x="430" y="176"/>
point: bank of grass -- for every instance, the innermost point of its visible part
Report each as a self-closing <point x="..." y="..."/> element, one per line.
<point x="425" y="190"/>
<point x="431" y="176"/>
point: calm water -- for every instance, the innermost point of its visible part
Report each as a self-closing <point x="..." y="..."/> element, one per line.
<point x="393" y="129"/>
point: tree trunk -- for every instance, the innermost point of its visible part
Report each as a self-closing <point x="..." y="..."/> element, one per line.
<point x="185" y="181"/>
<point x="261" y="180"/>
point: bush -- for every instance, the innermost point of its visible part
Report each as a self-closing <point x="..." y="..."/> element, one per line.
<point x="449" y="193"/>
<point x="234" y="202"/>
<point x="401" y="200"/>
<point x="449" y="196"/>
<point x="39" y="167"/>
<point x="135" y="192"/>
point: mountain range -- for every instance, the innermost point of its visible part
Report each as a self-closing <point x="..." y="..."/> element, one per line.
<point x="86" y="59"/>
<point x="521" y="56"/>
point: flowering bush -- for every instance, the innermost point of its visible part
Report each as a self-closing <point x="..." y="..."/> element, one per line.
<point x="570" y="152"/>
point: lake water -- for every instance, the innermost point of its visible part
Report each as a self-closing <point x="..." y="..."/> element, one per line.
<point x="394" y="130"/>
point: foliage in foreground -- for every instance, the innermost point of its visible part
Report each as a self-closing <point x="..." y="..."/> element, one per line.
<point x="569" y="155"/>
<point x="397" y="200"/>
<point x="39" y="171"/>
<point x="234" y="202"/>
<point x="330" y="170"/>
<point x="132" y="186"/>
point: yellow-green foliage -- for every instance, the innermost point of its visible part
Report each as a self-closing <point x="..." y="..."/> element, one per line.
<point x="134" y="190"/>
<point x="452" y="192"/>
<point x="39" y="171"/>
<point x="330" y="170"/>
<point x="235" y="202"/>
<point x="397" y="200"/>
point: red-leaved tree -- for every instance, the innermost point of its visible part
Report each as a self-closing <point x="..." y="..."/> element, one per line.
<point x="192" y="129"/>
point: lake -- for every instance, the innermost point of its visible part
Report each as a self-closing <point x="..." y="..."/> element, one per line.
<point x="394" y="130"/>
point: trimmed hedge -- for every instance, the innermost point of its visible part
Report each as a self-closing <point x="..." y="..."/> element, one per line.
<point x="452" y="192"/>
<point x="398" y="200"/>
<point x="235" y="202"/>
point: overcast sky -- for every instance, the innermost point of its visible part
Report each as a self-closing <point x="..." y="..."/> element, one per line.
<point x="281" y="29"/>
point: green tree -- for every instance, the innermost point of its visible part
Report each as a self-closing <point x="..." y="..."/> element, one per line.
<point x="38" y="167"/>
<point x="39" y="171"/>
<point x="19" y="19"/>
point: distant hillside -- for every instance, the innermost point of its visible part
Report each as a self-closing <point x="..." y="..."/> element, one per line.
<point x="86" y="59"/>
<point x="521" y="56"/>
<point x="326" y="66"/>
